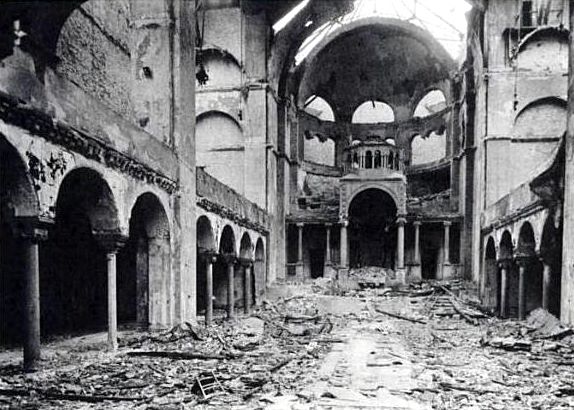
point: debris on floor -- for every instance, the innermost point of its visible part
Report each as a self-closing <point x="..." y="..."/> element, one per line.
<point x="422" y="346"/>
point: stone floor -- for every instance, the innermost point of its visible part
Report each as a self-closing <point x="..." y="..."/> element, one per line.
<point x="368" y="360"/>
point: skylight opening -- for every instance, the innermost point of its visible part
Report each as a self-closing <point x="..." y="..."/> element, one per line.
<point x="287" y="18"/>
<point x="444" y="20"/>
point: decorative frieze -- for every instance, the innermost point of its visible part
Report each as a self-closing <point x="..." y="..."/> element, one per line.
<point x="57" y="132"/>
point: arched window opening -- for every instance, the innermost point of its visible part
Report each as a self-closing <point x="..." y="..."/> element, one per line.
<point x="377" y="159"/>
<point x="355" y="160"/>
<point x="428" y="149"/>
<point x="318" y="107"/>
<point x="373" y="112"/>
<point x="434" y="101"/>
<point x="320" y="151"/>
<point x="368" y="159"/>
<point x="221" y="149"/>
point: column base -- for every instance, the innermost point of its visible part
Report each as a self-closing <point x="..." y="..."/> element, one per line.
<point x="329" y="272"/>
<point x="299" y="276"/>
<point x="447" y="271"/>
<point x="415" y="273"/>
<point x="401" y="275"/>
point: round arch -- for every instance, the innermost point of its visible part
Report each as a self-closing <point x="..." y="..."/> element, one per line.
<point x="506" y="248"/>
<point x="432" y="102"/>
<point x="372" y="231"/>
<point x="75" y="267"/>
<point x="17" y="199"/>
<point x="145" y="284"/>
<point x="220" y="147"/>
<point x="205" y="235"/>
<point x="373" y="112"/>
<point x="531" y="266"/>
<point x="318" y="107"/>
<point x="551" y="254"/>
<point x="260" y="270"/>
<point x="491" y="280"/>
<point x="246" y="247"/>
<point x="227" y="245"/>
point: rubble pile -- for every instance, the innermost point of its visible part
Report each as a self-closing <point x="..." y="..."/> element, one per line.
<point x="231" y="362"/>
<point x="372" y="276"/>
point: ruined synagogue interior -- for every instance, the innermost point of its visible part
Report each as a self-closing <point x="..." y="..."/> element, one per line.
<point x="286" y="204"/>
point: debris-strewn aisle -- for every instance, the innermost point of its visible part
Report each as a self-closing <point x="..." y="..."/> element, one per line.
<point x="420" y="348"/>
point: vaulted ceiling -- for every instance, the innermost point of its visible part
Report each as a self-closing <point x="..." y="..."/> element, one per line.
<point x="372" y="59"/>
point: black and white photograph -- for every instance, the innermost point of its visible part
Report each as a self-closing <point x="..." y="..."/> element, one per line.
<point x="286" y="204"/>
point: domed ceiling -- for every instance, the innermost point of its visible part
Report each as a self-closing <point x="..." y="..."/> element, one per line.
<point x="375" y="59"/>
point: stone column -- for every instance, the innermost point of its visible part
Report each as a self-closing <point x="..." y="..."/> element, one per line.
<point x="328" y="245"/>
<point x="522" y="263"/>
<point x="567" y="296"/>
<point x="447" y="225"/>
<point x="417" y="225"/>
<point x="504" y="266"/>
<point x="344" y="245"/>
<point x="31" y="232"/>
<point x="299" y="266"/>
<point x="546" y="282"/>
<point x="209" y="261"/>
<point x="401" y="242"/>
<point x="416" y="272"/>
<point x="247" y="267"/>
<point x="230" y="261"/>
<point x="111" y="243"/>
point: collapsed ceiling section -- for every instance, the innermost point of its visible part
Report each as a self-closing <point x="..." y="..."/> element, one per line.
<point x="349" y="52"/>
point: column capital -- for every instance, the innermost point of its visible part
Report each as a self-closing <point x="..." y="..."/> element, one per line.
<point x="245" y="262"/>
<point x="111" y="241"/>
<point x="504" y="263"/>
<point x="229" y="258"/>
<point x="523" y="260"/>
<point x="34" y="228"/>
<point x="328" y="225"/>
<point x="401" y="221"/>
<point x="447" y="223"/>
<point x="300" y="224"/>
<point x="417" y="223"/>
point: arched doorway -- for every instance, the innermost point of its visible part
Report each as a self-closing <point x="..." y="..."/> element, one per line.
<point x="205" y="249"/>
<point x="74" y="278"/>
<point x="221" y="273"/>
<point x="531" y="266"/>
<point x="144" y="267"/>
<point x="372" y="233"/>
<point x="491" y="277"/>
<point x="508" y="277"/>
<point x="246" y="258"/>
<point x="18" y="200"/>
<point x="259" y="269"/>
<point x="551" y="255"/>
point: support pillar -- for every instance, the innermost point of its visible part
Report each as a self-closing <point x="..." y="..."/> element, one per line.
<point x="31" y="231"/>
<point x="567" y="296"/>
<point x="447" y="225"/>
<point x="209" y="260"/>
<point x="112" y="243"/>
<point x="522" y="263"/>
<point x="417" y="225"/>
<point x="230" y="261"/>
<point x="299" y="266"/>
<point x="247" y="268"/>
<point x="416" y="270"/>
<point x="401" y="221"/>
<point x="344" y="245"/>
<point x="546" y="282"/>
<point x="504" y="266"/>
<point x="328" y="245"/>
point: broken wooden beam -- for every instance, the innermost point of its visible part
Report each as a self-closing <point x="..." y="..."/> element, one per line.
<point x="397" y="316"/>
<point x="183" y="355"/>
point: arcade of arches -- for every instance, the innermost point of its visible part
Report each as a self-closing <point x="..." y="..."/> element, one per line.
<point x="162" y="163"/>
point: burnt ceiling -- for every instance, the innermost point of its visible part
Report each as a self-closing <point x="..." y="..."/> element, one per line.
<point x="371" y="59"/>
